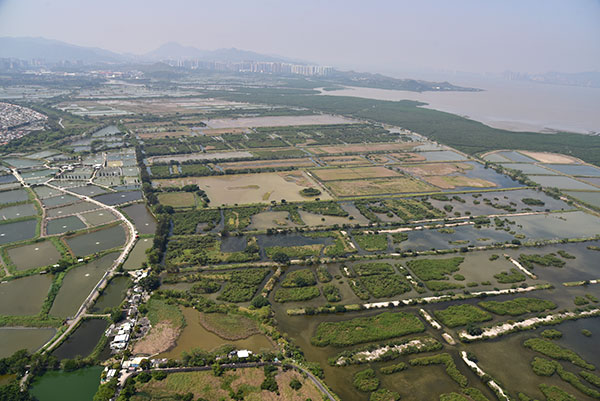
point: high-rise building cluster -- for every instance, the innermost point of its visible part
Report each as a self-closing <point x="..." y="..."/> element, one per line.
<point x="261" y="67"/>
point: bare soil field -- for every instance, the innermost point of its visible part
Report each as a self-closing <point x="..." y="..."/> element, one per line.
<point x="427" y="169"/>
<point x="366" y="148"/>
<point x="454" y="181"/>
<point x="353" y="173"/>
<point x="343" y="160"/>
<point x="408" y="157"/>
<point x="161" y="338"/>
<point x="551" y="157"/>
<point x="249" y="188"/>
<point x="379" y="186"/>
<point x="278" y="121"/>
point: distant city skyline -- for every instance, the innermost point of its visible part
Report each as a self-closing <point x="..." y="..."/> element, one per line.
<point x="464" y="35"/>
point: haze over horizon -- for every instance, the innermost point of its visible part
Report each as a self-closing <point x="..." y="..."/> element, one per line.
<point x="387" y="36"/>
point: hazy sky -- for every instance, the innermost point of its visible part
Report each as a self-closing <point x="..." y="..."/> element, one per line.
<point x="463" y="35"/>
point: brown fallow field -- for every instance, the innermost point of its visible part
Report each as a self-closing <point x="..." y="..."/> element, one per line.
<point x="379" y="186"/>
<point x="427" y="169"/>
<point x="353" y="173"/>
<point x="301" y="162"/>
<point x="364" y="148"/>
<point x="343" y="160"/>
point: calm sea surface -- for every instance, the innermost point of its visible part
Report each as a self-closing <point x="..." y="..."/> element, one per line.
<point x="511" y="105"/>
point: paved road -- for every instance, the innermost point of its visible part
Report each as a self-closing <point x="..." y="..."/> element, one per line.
<point x="131" y="239"/>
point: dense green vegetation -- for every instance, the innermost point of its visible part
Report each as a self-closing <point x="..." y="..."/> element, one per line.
<point x="434" y="269"/>
<point x="551" y="334"/>
<point x="364" y="329"/>
<point x="460" y="315"/>
<point x="323" y="274"/>
<point x="590" y="378"/>
<point x="332" y="293"/>
<point x="185" y="223"/>
<point x="242" y="285"/>
<point x="532" y="202"/>
<point x="386" y="285"/>
<point x="380" y="279"/>
<point x="542" y="260"/>
<point x="514" y="276"/>
<point x="384" y="395"/>
<point x="205" y="286"/>
<point x="299" y="278"/>
<point x="518" y="306"/>
<point x="398" y="367"/>
<point x="372" y="242"/>
<point x="554" y="393"/>
<point x="329" y="208"/>
<point x="296" y="294"/>
<point x="555" y="351"/>
<point x="365" y="380"/>
<point x="373" y="268"/>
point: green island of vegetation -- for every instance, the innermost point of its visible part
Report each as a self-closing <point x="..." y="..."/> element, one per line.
<point x="364" y="329"/>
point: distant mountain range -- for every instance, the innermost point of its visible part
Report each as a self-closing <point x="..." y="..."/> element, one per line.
<point x="172" y="50"/>
<point x="53" y="51"/>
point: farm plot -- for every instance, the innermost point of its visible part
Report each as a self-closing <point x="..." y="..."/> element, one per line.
<point x="300" y="162"/>
<point x="353" y="173"/>
<point x="248" y="188"/>
<point x="379" y="186"/>
<point x="364" y="148"/>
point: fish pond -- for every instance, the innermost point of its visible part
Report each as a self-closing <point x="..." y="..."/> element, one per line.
<point x="97" y="241"/>
<point x="35" y="255"/>
<point x="24" y="296"/>
<point x="113" y="294"/>
<point x="83" y="341"/>
<point x="17" y="211"/>
<point x="64" y="224"/>
<point x="18" y="231"/>
<point x="78" y="385"/>
<point x="138" y="255"/>
<point x="15" y="195"/>
<point x="144" y="221"/>
<point x="78" y="284"/>
<point x="16" y="338"/>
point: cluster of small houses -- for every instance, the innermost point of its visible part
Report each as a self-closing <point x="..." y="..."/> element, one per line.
<point x="122" y="331"/>
<point x="132" y="327"/>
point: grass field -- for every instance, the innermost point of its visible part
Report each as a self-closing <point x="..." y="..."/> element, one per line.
<point x="229" y="326"/>
<point x="379" y="186"/>
<point x="207" y="386"/>
<point x="177" y="199"/>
